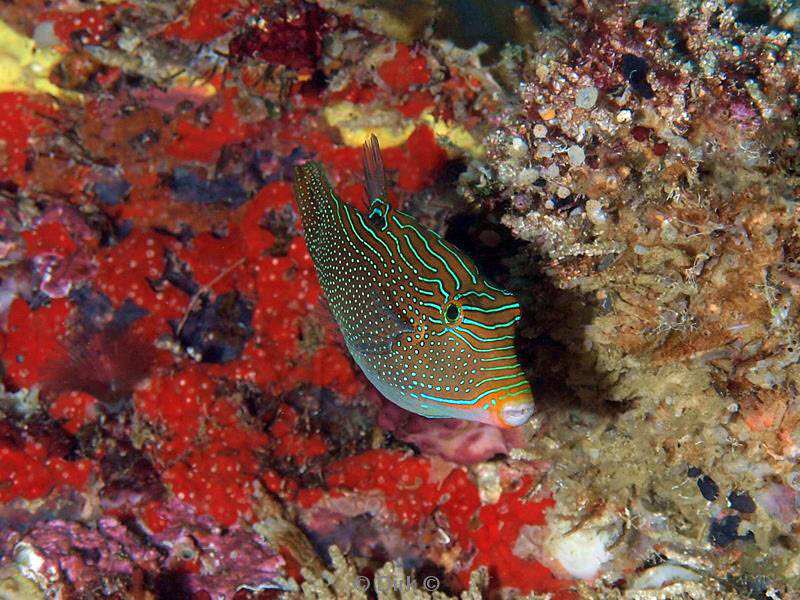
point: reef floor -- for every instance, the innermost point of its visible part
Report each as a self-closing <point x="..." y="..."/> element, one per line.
<point x="179" y="417"/>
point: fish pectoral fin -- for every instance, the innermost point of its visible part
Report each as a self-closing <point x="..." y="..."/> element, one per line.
<point x="383" y="328"/>
<point x="434" y="416"/>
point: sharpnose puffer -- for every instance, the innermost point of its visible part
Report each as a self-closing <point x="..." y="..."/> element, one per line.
<point x="429" y="332"/>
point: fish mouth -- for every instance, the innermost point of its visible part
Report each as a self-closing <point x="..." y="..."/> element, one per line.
<point x="511" y="409"/>
<point x="515" y="414"/>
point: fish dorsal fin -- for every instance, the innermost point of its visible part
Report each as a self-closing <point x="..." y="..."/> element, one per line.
<point x="374" y="179"/>
<point x="381" y="328"/>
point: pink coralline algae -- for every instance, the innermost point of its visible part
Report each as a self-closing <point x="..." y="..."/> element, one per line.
<point x="194" y="554"/>
<point x="461" y="442"/>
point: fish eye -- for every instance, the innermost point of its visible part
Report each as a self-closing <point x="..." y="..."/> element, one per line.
<point x="452" y="312"/>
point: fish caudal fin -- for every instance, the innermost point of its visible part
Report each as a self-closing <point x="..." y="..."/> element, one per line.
<point x="313" y="195"/>
<point x="374" y="180"/>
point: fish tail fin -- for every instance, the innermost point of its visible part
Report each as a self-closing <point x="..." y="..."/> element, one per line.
<point x="313" y="194"/>
<point x="374" y="180"/>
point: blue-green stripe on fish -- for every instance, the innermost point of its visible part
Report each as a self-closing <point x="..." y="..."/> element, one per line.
<point x="415" y="313"/>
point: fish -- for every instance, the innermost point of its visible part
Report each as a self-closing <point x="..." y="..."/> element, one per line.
<point x="426" y="328"/>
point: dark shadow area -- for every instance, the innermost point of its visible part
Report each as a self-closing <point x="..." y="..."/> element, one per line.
<point x="467" y="23"/>
<point x="549" y="334"/>
<point x="172" y="585"/>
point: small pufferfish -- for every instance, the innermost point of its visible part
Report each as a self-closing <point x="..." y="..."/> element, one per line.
<point x="428" y="331"/>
